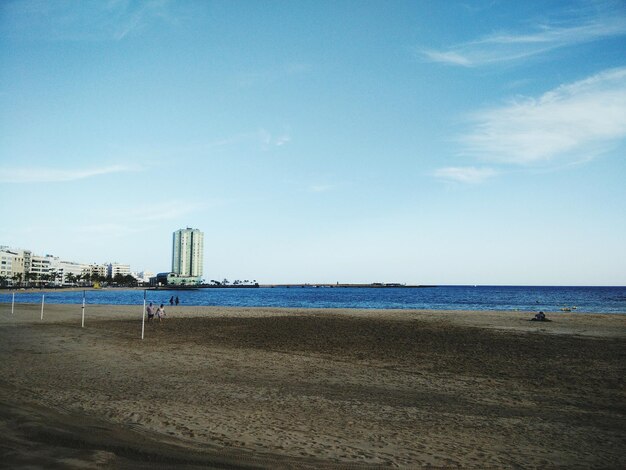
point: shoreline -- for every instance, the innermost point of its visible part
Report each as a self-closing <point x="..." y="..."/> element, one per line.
<point x="310" y="388"/>
<point x="526" y="314"/>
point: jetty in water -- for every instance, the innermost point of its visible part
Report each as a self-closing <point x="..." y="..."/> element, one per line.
<point x="340" y="285"/>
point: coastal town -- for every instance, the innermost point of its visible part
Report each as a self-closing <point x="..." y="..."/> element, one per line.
<point x="23" y="268"/>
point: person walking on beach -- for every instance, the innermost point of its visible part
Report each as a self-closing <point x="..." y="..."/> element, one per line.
<point x="150" y="311"/>
<point x="172" y="300"/>
<point x="160" y="313"/>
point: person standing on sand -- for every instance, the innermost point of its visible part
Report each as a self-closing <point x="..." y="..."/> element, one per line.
<point x="150" y="311"/>
<point x="160" y="313"/>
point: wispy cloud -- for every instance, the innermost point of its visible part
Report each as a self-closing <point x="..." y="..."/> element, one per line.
<point x="66" y="20"/>
<point x="269" y="140"/>
<point x="159" y="211"/>
<point x="543" y="37"/>
<point x="108" y="229"/>
<point x="573" y="122"/>
<point x="53" y="175"/>
<point x="142" y="218"/>
<point x="468" y="175"/>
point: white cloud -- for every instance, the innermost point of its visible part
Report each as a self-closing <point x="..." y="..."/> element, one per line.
<point x="268" y="140"/>
<point x="53" y="175"/>
<point x="469" y="175"/>
<point x="574" y="122"/>
<point x="543" y="38"/>
<point x="282" y="140"/>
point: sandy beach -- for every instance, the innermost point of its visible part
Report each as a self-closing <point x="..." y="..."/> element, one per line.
<point x="287" y="388"/>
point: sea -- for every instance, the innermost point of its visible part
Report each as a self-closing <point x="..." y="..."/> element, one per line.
<point x="508" y="298"/>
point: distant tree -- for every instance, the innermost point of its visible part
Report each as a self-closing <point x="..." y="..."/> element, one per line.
<point x="73" y="278"/>
<point x="124" y="280"/>
<point x="53" y="277"/>
<point x="225" y="282"/>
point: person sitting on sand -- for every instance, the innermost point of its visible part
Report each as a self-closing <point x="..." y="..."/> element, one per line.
<point x="150" y="311"/>
<point x="540" y="317"/>
<point x="160" y="313"/>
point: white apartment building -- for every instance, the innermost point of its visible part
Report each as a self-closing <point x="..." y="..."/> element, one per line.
<point x="188" y="252"/>
<point x="7" y="262"/>
<point x="113" y="269"/>
<point x="14" y="264"/>
<point x="101" y="270"/>
<point x="39" y="267"/>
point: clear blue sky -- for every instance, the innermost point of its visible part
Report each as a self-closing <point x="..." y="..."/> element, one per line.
<point x="432" y="142"/>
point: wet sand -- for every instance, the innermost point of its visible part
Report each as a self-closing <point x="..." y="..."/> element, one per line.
<point x="292" y="388"/>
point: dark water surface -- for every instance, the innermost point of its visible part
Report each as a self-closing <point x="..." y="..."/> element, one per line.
<point x="526" y="298"/>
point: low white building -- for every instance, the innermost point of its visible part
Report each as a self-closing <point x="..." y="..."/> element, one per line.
<point x="66" y="270"/>
<point x="143" y="276"/>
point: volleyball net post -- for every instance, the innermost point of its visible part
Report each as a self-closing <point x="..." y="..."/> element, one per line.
<point x="143" y="314"/>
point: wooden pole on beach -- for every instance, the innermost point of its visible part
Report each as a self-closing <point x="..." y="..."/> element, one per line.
<point x="83" y="322"/>
<point x="42" y="302"/>
<point x="143" y="314"/>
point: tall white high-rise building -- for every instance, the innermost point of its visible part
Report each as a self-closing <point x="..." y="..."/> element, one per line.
<point x="188" y="252"/>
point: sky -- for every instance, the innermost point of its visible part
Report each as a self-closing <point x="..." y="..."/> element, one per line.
<point x="422" y="142"/>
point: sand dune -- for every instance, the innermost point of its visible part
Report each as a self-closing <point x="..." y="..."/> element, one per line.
<point x="288" y="388"/>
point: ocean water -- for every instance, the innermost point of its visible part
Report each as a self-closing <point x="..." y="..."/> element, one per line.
<point x="524" y="298"/>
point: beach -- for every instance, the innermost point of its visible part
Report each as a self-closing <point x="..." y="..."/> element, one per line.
<point x="232" y="387"/>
